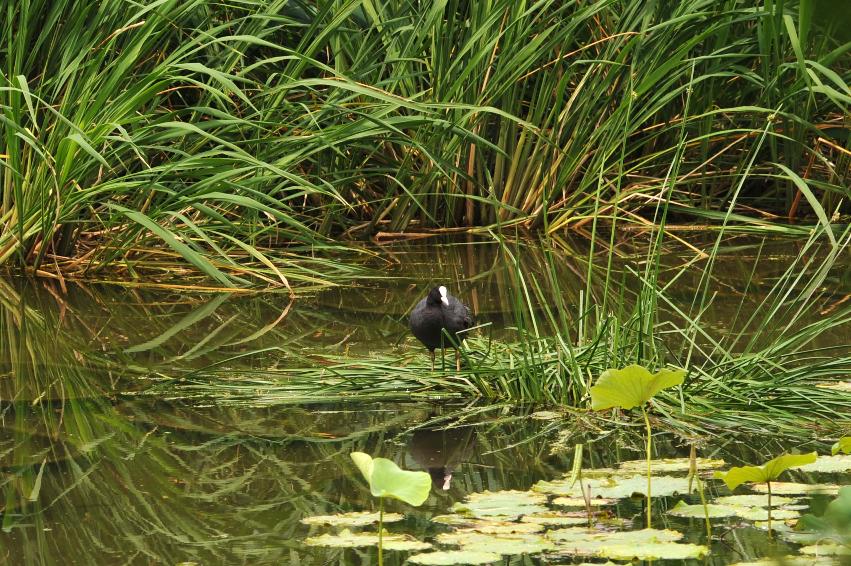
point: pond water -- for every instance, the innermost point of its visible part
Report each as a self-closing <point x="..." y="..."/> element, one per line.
<point x="97" y="470"/>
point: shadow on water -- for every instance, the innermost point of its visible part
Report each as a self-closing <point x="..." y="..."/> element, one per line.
<point x="94" y="473"/>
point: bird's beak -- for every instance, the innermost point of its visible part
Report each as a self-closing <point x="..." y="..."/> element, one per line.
<point x="446" y="479"/>
<point x="444" y="300"/>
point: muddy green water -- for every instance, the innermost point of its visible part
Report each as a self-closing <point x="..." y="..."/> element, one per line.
<point x="96" y="471"/>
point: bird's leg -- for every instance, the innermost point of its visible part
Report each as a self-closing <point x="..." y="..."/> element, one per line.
<point x="431" y="354"/>
<point x="442" y="358"/>
<point x="457" y="360"/>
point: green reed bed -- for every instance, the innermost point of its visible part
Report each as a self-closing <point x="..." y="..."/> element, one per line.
<point x="783" y="355"/>
<point x="240" y="139"/>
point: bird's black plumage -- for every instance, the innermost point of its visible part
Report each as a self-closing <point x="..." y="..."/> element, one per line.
<point x="438" y="311"/>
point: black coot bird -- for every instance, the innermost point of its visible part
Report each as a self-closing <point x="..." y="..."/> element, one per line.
<point x="439" y="311"/>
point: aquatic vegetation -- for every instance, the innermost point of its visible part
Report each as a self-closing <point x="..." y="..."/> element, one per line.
<point x="386" y="479"/>
<point x="510" y="504"/>
<point x="353" y="519"/>
<point x="634" y="386"/>
<point x="835" y="523"/>
<point x="837" y="463"/>
<point x="615" y="486"/>
<point x="751" y="500"/>
<point x="348" y="539"/>
<point x="765" y="474"/>
<point x="503" y="543"/>
<point x="842" y="445"/>
<point x="794" y="488"/>
<point x="646" y="544"/>
<point x="671" y="465"/>
<point x="450" y="557"/>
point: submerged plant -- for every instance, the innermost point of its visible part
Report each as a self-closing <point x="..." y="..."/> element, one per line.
<point x="766" y="473"/>
<point x="386" y="479"/>
<point x="634" y="386"/>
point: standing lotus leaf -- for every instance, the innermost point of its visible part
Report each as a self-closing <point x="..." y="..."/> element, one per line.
<point x="765" y="473"/>
<point x="386" y="479"/>
<point x="843" y="445"/>
<point x="632" y="386"/>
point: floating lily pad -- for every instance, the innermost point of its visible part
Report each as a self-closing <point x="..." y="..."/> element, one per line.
<point x="556" y="518"/>
<point x="646" y="544"/>
<point x="826" y="549"/>
<point x="508" y="503"/>
<point x="754" y="500"/>
<point x="668" y="465"/>
<point x="616" y="487"/>
<point x="516" y="543"/>
<point x="449" y="557"/>
<point x="656" y="551"/>
<point x="792" y="488"/>
<point x="353" y="519"/>
<point x="789" y="560"/>
<point x="454" y="519"/>
<point x="580" y="502"/>
<point x="761" y="513"/>
<point x="829" y="464"/>
<point x="597" y="473"/>
<point x="501" y="527"/>
<point x="714" y="510"/>
<point x="348" y="539"/>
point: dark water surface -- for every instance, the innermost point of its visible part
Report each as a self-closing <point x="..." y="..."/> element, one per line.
<point x="95" y="471"/>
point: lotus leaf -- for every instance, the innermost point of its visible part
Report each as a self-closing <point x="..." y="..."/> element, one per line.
<point x="826" y="549"/>
<point x="449" y="557"/>
<point x="501" y="527"/>
<point x="348" y="539"/>
<point x="669" y="465"/>
<point x="789" y="560"/>
<point x="792" y="488"/>
<point x="842" y="445"/>
<point x="354" y="519"/>
<point x="596" y="473"/>
<point x="755" y="500"/>
<point x="715" y="511"/>
<point x="507" y="504"/>
<point x="580" y="502"/>
<point x="765" y="473"/>
<point x="386" y="479"/>
<point x="556" y="518"/>
<point x="631" y="386"/>
<point x="656" y="551"/>
<point x="454" y="519"/>
<point x="616" y="487"/>
<point x="828" y="464"/>
<point x="517" y="543"/>
<point x="761" y="513"/>
<point x="645" y="544"/>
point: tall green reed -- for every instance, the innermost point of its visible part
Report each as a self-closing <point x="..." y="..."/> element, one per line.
<point x="241" y="139"/>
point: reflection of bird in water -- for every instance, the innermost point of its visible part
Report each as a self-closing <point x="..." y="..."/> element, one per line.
<point x="440" y="452"/>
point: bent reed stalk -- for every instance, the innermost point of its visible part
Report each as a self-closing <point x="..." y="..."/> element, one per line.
<point x="239" y="140"/>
